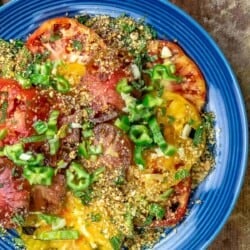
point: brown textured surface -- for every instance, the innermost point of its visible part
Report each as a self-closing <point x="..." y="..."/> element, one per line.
<point x="228" y="21"/>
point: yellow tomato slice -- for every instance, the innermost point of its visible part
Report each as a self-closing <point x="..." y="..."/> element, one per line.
<point x="162" y="172"/>
<point x="93" y="233"/>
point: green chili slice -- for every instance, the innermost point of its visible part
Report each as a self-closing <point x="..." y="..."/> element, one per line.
<point x="67" y="234"/>
<point x="40" y="127"/>
<point x="39" y="175"/>
<point x="14" y="152"/>
<point x="77" y="178"/>
<point x="164" y="72"/>
<point x="61" y="84"/>
<point x="139" y="134"/>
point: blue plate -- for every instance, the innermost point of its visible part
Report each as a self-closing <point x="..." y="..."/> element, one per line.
<point x="220" y="190"/>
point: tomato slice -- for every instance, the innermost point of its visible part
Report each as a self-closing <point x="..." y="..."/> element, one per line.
<point x="14" y="194"/>
<point x="104" y="99"/>
<point x="193" y="86"/>
<point x="117" y="148"/>
<point x="177" y="207"/>
<point x="20" y="108"/>
<point x="66" y="39"/>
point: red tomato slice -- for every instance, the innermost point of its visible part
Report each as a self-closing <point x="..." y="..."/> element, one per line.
<point x="66" y="39"/>
<point x="104" y="97"/>
<point x="20" y="108"/>
<point x="14" y="194"/>
<point x="193" y="87"/>
<point x="176" y="211"/>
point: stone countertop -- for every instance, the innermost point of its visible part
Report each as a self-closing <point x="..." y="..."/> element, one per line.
<point x="228" y="21"/>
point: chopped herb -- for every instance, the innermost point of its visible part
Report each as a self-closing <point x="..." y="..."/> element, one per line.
<point x="181" y="174"/>
<point x="77" y="45"/>
<point x="156" y="211"/>
<point x="18" y="219"/>
<point x="171" y="119"/>
<point x="198" y="135"/>
<point x="166" y="194"/>
<point x="95" y="217"/>
<point x="116" y="242"/>
<point x="83" y="19"/>
<point x="54" y="37"/>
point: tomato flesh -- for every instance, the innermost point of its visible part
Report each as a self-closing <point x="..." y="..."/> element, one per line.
<point x="24" y="107"/>
<point x="65" y="39"/>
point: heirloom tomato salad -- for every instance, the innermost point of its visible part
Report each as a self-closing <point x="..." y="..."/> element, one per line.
<point x="103" y="134"/>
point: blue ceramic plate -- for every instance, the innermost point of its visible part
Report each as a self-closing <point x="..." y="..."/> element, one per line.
<point x="220" y="190"/>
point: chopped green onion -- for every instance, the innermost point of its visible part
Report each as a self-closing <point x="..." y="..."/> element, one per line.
<point x="66" y="234"/>
<point x="54" y="145"/>
<point x="96" y="174"/>
<point x="40" y="127"/>
<point x="95" y="150"/>
<point x="24" y="82"/>
<point x="3" y="133"/>
<point x="87" y="133"/>
<point x="52" y="123"/>
<point x="151" y="101"/>
<point x="181" y="174"/>
<point x="34" y="138"/>
<point x="39" y="79"/>
<point x="164" y="72"/>
<point x="39" y="175"/>
<point x="139" y="134"/>
<point x="138" y="156"/>
<point x="159" y="139"/>
<point x="46" y="68"/>
<point x="156" y="211"/>
<point x="61" y="84"/>
<point x="123" y="123"/>
<point x="77" y="178"/>
<point x="166" y="194"/>
<point x="82" y="150"/>
<point x="55" y="221"/>
<point x="123" y="87"/>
